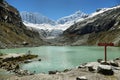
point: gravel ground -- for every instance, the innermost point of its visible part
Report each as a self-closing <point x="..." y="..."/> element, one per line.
<point x="70" y="75"/>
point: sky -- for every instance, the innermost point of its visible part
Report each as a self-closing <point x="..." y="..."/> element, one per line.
<point x="55" y="9"/>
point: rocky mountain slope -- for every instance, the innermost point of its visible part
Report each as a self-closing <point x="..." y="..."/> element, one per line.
<point x="102" y="26"/>
<point x="13" y="33"/>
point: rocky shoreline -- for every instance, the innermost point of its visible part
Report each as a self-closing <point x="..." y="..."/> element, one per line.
<point x="12" y="62"/>
<point x="99" y="70"/>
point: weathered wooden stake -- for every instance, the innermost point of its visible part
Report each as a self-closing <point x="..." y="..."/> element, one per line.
<point x="105" y="48"/>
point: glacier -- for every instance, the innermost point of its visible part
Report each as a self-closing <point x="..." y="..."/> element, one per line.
<point x="48" y="28"/>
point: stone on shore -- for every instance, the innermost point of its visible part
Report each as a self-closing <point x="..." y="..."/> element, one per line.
<point x="66" y="70"/>
<point x="27" y="61"/>
<point x="39" y="59"/>
<point x="81" y="78"/>
<point x="117" y="58"/>
<point x="99" y="60"/>
<point x="52" y="72"/>
<point x="22" y="72"/>
<point x="82" y="65"/>
<point x="92" y="66"/>
<point x="105" y="70"/>
<point x="113" y="63"/>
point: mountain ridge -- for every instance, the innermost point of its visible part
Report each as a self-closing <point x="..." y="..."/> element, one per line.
<point x="49" y="28"/>
<point x="37" y="18"/>
<point x="73" y="17"/>
<point x="96" y="28"/>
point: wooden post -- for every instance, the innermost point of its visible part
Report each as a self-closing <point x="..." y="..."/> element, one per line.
<point x="105" y="54"/>
<point x="105" y="49"/>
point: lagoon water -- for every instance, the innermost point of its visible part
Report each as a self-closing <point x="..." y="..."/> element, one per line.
<point x="63" y="57"/>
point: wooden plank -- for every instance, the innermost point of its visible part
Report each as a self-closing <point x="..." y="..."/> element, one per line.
<point x="105" y="44"/>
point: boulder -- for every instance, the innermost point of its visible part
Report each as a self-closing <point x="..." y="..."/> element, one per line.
<point x="104" y="63"/>
<point x="82" y="65"/>
<point x="105" y="70"/>
<point x="81" y="78"/>
<point x="27" y="61"/>
<point x="39" y="59"/>
<point x="52" y="72"/>
<point x="113" y="63"/>
<point x="66" y="70"/>
<point x="117" y="58"/>
<point x="99" y="60"/>
<point x="25" y="43"/>
<point x="90" y="68"/>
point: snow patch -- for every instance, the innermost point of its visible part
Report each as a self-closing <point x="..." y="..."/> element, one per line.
<point x="102" y="11"/>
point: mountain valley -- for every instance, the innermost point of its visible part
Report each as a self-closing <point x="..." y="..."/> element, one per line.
<point x="34" y="29"/>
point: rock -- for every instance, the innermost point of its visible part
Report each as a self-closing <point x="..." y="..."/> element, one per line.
<point x="27" y="61"/>
<point x="104" y="63"/>
<point x="82" y="65"/>
<point x="66" y="70"/>
<point x="52" y="72"/>
<point x="90" y="68"/>
<point x="17" y="67"/>
<point x="99" y="60"/>
<point x="81" y="78"/>
<point x="117" y="59"/>
<point x="22" y="72"/>
<point x="113" y="63"/>
<point x="92" y="65"/>
<point x="39" y="59"/>
<point x="4" y="64"/>
<point x="105" y="69"/>
<point x="25" y="43"/>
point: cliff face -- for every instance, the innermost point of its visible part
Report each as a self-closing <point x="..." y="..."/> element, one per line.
<point x="104" y="27"/>
<point x="13" y="33"/>
<point x="9" y="14"/>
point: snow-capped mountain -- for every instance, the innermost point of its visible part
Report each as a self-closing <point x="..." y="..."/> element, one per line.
<point x="49" y="28"/>
<point x="105" y="22"/>
<point x="35" y="18"/>
<point x="102" y="10"/>
<point x="74" y="17"/>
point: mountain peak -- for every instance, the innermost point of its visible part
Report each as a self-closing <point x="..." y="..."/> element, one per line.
<point x="77" y="15"/>
<point x="35" y="18"/>
<point x="78" y="12"/>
